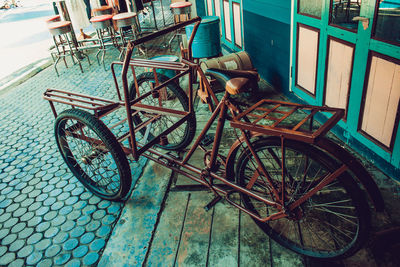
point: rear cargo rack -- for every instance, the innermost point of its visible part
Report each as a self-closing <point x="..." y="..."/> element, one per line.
<point x="273" y="117"/>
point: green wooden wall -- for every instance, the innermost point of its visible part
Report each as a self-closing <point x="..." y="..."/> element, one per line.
<point x="267" y="39"/>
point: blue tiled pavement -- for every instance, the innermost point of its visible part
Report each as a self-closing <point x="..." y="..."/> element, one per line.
<point x="47" y="217"/>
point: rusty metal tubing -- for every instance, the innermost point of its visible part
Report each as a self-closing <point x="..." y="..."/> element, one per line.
<point x="362" y="175"/>
<point x="159" y="87"/>
<point x="196" y="170"/>
<point x="218" y="132"/>
<point x="164" y="133"/>
<point x="49" y="91"/>
<point x="138" y="62"/>
<point x="318" y="187"/>
<point x="262" y="167"/>
<point x="132" y="139"/>
<point x="160" y="110"/>
<point x="271" y="217"/>
<point x="165" y="31"/>
<point x="115" y="80"/>
<point x="203" y="132"/>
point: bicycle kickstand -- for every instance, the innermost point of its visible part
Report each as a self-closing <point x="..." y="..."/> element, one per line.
<point x="217" y="198"/>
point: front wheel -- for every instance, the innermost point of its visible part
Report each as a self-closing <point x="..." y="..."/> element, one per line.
<point x="171" y="97"/>
<point x="333" y="223"/>
<point x="93" y="154"/>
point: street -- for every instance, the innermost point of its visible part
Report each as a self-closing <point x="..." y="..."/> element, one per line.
<point x="25" y="38"/>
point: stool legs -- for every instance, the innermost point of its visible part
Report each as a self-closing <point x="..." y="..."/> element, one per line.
<point x="63" y="41"/>
<point x="177" y="19"/>
<point x="102" y="43"/>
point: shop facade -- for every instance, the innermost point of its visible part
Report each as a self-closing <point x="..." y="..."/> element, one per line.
<point x="338" y="53"/>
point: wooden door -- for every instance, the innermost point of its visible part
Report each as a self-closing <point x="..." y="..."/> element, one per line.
<point x="346" y="54"/>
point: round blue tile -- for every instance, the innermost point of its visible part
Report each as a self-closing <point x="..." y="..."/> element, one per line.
<point x="61" y="259"/>
<point x="80" y="251"/>
<point x="70" y="244"/>
<point x="87" y="238"/>
<point x="52" y="251"/>
<point x="90" y="258"/>
<point x="97" y="244"/>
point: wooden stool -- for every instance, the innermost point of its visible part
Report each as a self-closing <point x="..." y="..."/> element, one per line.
<point x="178" y="9"/>
<point x="62" y="29"/>
<point x="103" y="24"/>
<point x="127" y="19"/>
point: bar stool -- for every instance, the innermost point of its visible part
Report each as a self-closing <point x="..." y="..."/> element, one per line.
<point x="61" y="29"/>
<point x="126" y="19"/>
<point x="53" y="19"/>
<point x="49" y="21"/>
<point x="103" y="10"/>
<point x="103" y="24"/>
<point x="178" y="9"/>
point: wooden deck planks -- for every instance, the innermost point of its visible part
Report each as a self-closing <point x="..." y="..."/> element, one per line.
<point x="196" y="232"/>
<point x="224" y="239"/>
<point x="254" y="244"/>
<point x="166" y="240"/>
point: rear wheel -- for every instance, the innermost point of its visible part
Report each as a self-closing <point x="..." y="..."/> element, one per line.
<point x="173" y="97"/>
<point x="93" y="154"/>
<point x="333" y="223"/>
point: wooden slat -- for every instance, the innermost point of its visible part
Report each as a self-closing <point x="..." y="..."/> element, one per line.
<point x="382" y="98"/>
<point x="254" y="244"/>
<point x="224" y="236"/>
<point x="227" y="20"/>
<point x="338" y="74"/>
<point x="196" y="233"/>
<point x="307" y="59"/>
<point x="166" y="238"/>
<point x="237" y="23"/>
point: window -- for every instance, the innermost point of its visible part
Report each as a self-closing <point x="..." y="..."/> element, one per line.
<point x="230" y="14"/>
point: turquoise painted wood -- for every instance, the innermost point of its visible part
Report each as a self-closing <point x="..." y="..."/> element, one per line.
<point x="272" y="9"/>
<point x="364" y="45"/>
<point x="267" y="39"/>
<point x="171" y="58"/>
<point x="207" y="42"/>
<point x="225" y="40"/>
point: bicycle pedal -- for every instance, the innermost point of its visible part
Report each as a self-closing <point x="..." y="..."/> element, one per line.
<point x="207" y="140"/>
<point x="212" y="203"/>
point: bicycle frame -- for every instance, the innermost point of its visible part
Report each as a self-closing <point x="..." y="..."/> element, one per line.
<point x="207" y="175"/>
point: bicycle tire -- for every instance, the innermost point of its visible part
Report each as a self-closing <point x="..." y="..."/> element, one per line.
<point x="332" y="224"/>
<point x="87" y="158"/>
<point x="182" y="136"/>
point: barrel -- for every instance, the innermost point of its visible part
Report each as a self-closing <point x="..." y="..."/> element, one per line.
<point x="169" y="73"/>
<point x="207" y="42"/>
<point x="234" y="61"/>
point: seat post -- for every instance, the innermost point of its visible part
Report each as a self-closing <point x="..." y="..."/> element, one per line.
<point x="218" y="132"/>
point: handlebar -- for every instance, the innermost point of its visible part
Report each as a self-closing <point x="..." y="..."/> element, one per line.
<point x="152" y="36"/>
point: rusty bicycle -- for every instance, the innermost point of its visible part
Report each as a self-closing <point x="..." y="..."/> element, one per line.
<point x="300" y="188"/>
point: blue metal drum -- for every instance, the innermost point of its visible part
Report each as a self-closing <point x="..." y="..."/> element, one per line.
<point x="169" y="73"/>
<point x="207" y="41"/>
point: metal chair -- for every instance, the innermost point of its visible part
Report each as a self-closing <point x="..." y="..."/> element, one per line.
<point x="126" y="19"/>
<point x="105" y="32"/>
<point x="61" y="29"/>
<point x="179" y="9"/>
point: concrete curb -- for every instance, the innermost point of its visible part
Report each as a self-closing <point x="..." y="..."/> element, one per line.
<point x="23" y="74"/>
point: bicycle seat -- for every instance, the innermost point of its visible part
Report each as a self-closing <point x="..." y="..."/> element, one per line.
<point x="235" y="81"/>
